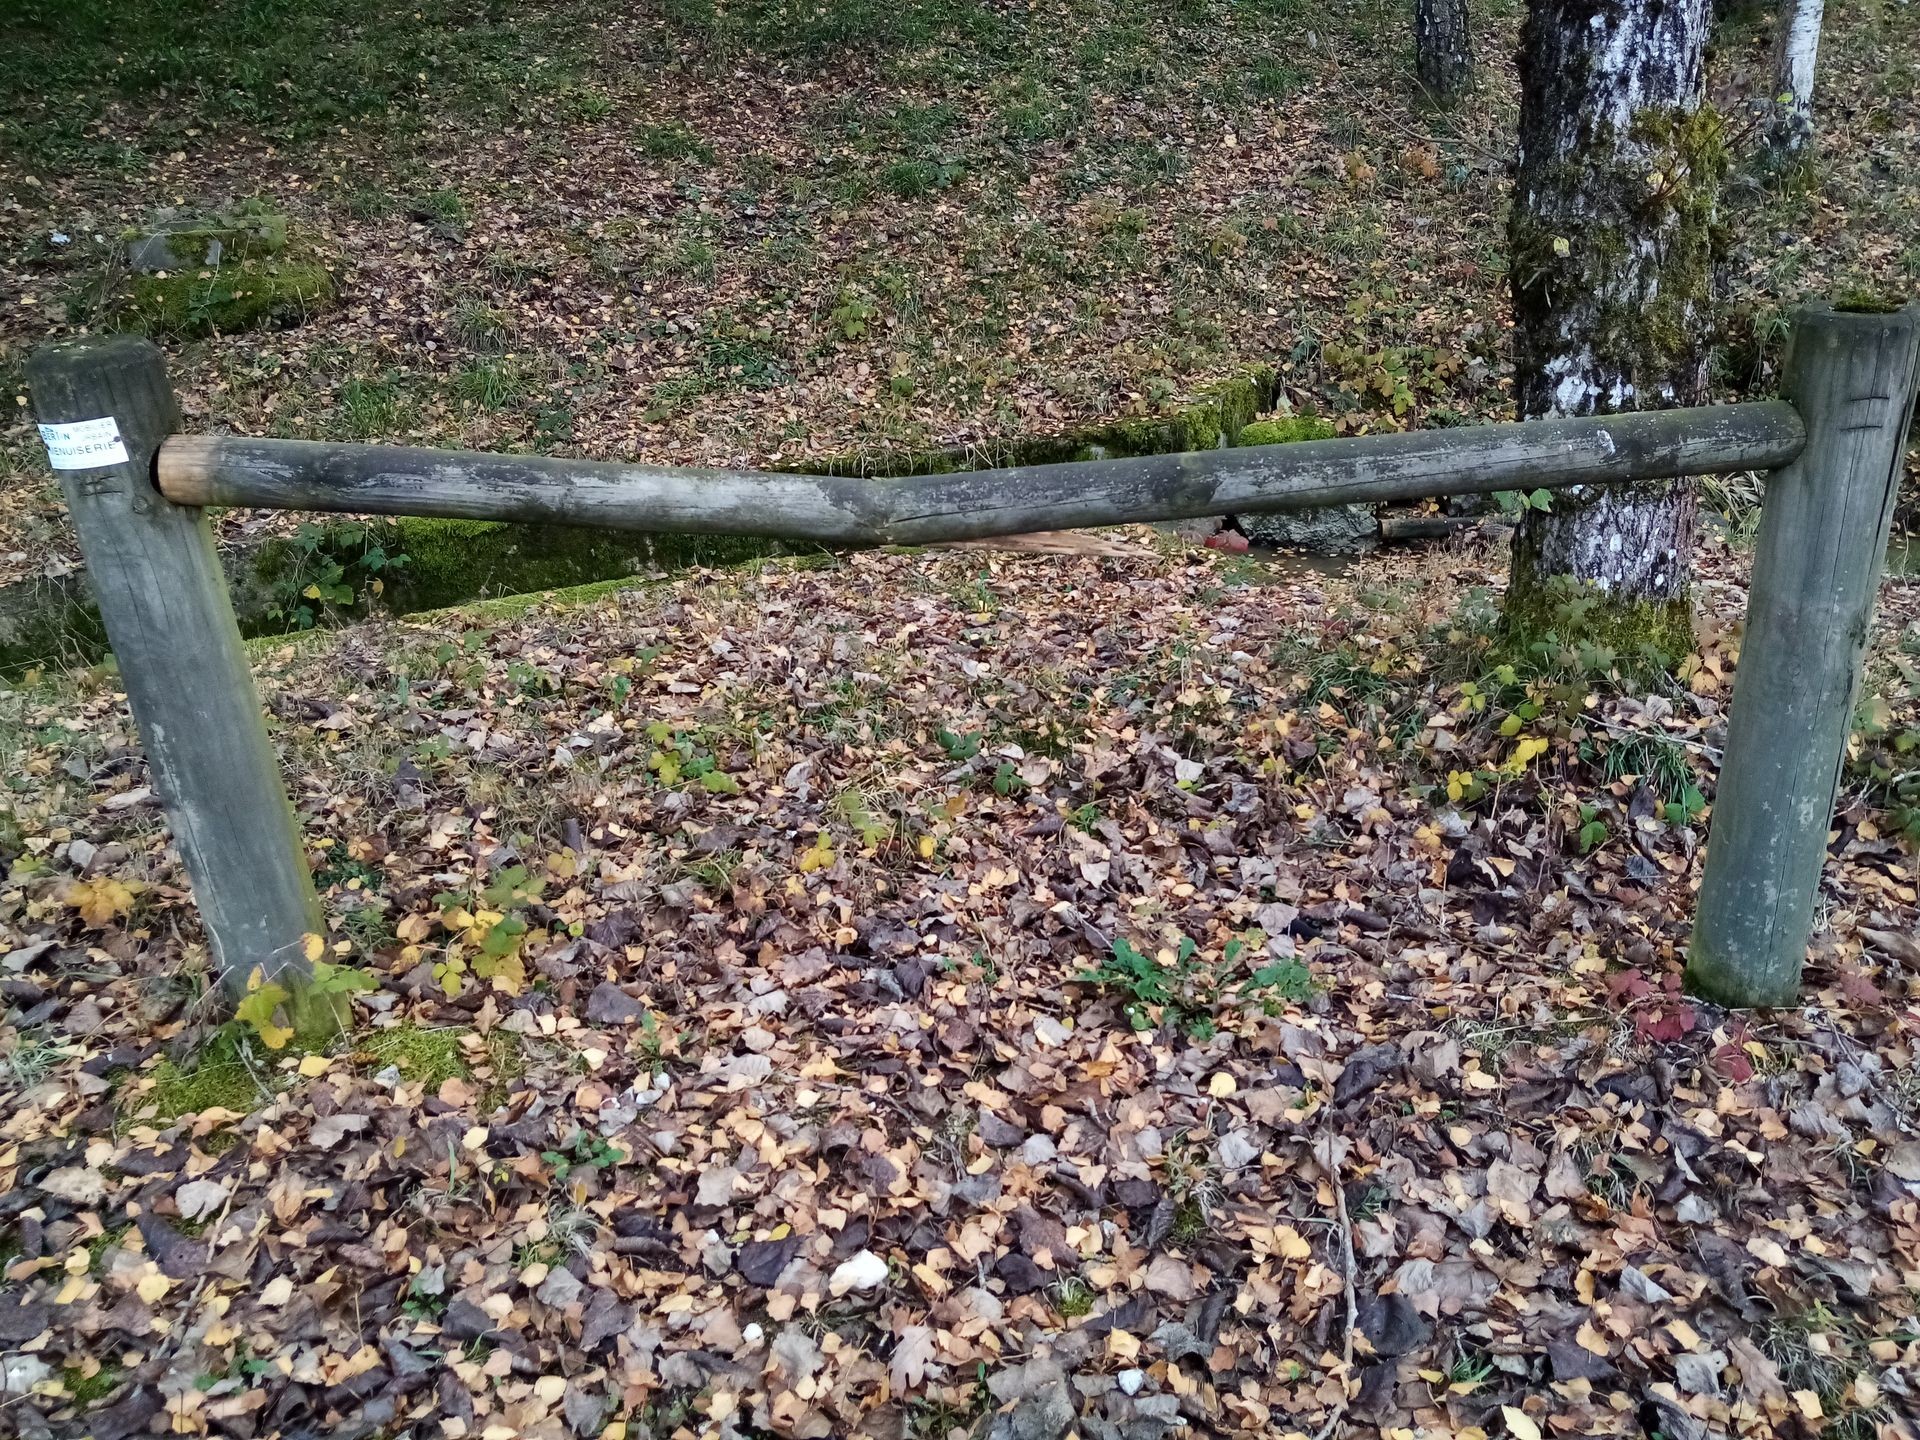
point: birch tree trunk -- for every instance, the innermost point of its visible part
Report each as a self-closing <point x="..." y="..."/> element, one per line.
<point x="1611" y="235"/>
<point x="1794" y="57"/>
<point x="1443" y="48"/>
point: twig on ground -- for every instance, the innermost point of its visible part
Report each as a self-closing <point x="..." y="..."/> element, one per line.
<point x="1617" y="728"/>
<point x="1329" y="1160"/>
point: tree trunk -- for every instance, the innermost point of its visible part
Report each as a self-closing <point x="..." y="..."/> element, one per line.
<point x="1611" y="235"/>
<point x="1443" y="48"/>
<point x="1794" y="56"/>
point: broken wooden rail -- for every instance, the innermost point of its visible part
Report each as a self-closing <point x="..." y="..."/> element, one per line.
<point x="137" y="493"/>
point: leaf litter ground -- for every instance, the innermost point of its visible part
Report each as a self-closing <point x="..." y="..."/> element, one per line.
<point x="960" y="992"/>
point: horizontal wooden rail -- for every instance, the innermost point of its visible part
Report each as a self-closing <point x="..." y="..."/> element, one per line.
<point x="1550" y="454"/>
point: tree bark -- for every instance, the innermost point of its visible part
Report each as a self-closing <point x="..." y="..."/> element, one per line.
<point x="1443" y="48"/>
<point x="1612" y="244"/>
<point x="1794" y="56"/>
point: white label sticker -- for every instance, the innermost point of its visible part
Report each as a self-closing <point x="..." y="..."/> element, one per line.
<point x="84" y="444"/>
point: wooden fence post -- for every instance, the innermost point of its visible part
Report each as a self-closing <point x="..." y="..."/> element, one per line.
<point x="104" y="406"/>
<point x="1816" y="573"/>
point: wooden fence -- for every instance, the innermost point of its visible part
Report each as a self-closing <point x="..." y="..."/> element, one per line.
<point x="136" y="491"/>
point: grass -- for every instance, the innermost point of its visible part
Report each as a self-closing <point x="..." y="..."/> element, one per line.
<point x="374" y="409"/>
<point x="672" y="141"/>
<point x="66" y="68"/>
<point x="1073" y="1297"/>
<point x="491" y="384"/>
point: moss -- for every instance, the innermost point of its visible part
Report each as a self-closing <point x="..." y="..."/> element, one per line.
<point x="228" y="298"/>
<point x="449" y="561"/>
<point x="1286" y="430"/>
<point x="1645" y="635"/>
<point x="1663" y="182"/>
<point x="211" y="1085"/>
<point x="428" y="1057"/>
<point x="86" y="1391"/>
<point x="1861" y="301"/>
<point x="512" y="607"/>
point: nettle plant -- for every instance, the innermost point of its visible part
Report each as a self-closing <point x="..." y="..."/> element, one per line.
<point x="488" y="931"/>
<point x="332" y="568"/>
<point x="1183" y="988"/>
<point x="1884" y="759"/>
<point x="680" y="756"/>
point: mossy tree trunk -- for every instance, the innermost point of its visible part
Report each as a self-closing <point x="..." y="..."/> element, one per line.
<point x="1443" y="48"/>
<point x="1795" y="52"/>
<point x="1612" y="238"/>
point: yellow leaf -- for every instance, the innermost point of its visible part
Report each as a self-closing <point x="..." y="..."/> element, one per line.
<point x="1519" y="1424"/>
<point x="100" y="900"/>
<point x="153" y="1287"/>
<point x="314" y="946"/>
<point x="1561" y="247"/>
<point x="1290" y="1244"/>
<point x="819" y="857"/>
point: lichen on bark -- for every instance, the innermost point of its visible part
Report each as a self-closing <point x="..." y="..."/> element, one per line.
<point x="1613" y="236"/>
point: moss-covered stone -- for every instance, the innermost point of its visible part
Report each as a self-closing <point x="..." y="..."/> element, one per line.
<point x="251" y="230"/>
<point x="226" y="298"/>
<point x="1327" y="530"/>
<point x="454" y="562"/>
<point x="1286" y="429"/>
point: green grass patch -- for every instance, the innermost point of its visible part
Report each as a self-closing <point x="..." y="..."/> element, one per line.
<point x="287" y="68"/>
<point x="672" y="141"/>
